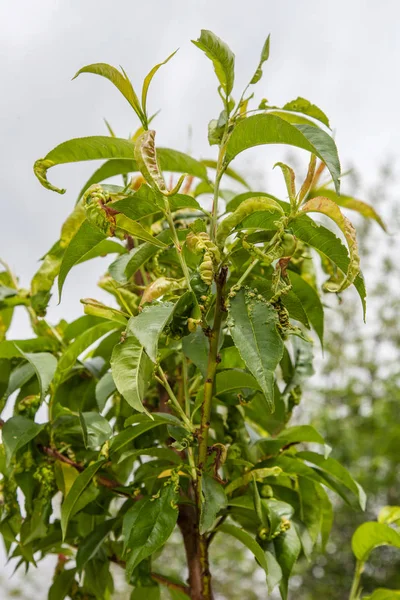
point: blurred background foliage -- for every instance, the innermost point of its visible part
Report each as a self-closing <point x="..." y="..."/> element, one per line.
<point x="353" y="401"/>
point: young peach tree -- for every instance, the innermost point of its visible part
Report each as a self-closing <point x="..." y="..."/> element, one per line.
<point x="170" y="407"/>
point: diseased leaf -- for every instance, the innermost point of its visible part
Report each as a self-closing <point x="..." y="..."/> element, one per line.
<point x="369" y="536"/>
<point x="366" y="210"/>
<point x="17" y="432"/>
<point x="149" y="78"/>
<point x="253" y="326"/>
<point x="45" y="365"/>
<point x="147" y="161"/>
<point x="120" y="80"/>
<point x="214" y="500"/>
<point x="132" y="371"/>
<point x="331" y="210"/>
<point x="222" y="57"/>
<point x="148" y="525"/>
<point x="263" y="58"/>
<point x="319" y="237"/>
<point x="148" y="325"/>
<point x="78" y="487"/>
<point x="271" y="129"/>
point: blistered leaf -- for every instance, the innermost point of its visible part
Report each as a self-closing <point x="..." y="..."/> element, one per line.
<point x="271" y="129"/>
<point x="222" y="57"/>
<point x="45" y="365"/>
<point x="263" y="58"/>
<point x="214" y="500"/>
<point x="265" y="559"/>
<point x="330" y="209"/>
<point x="120" y="80"/>
<point x="253" y="326"/>
<point x="78" y="487"/>
<point x="148" y="325"/>
<point x="149" y="78"/>
<point x="366" y="210"/>
<point x="79" y="345"/>
<point x="147" y="161"/>
<point x="148" y="525"/>
<point x="81" y="149"/>
<point x="369" y="536"/>
<point x="17" y="432"/>
<point x="98" y="309"/>
<point x="132" y="371"/>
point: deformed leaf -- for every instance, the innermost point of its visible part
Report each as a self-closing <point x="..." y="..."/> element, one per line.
<point x="222" y="57"/>
<point x="147" y="161"/>
<point x="271" y="129"/>
<point x="330" y="209"/>
<point x="132" y="371"/>
<point x="253" y="326"/>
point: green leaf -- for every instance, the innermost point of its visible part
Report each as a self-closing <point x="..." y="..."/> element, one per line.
<point x="369" y="536"/>
<point x="78" y="487"/>
<point x="120" y="80"/>
<point x="212" y="164"/>
<point x="132" y="371"/>
<point x="195" y="347"/>
<point x="83" y="242"/>
<point x="45" y="365"/>
<point x="302" y="433"/>
<point x="147" y="593"/>
<point x="366" y="210"/>
<point x="104" y="388"/>
<point x="148" y="80"/>
<point x="61" y="586"/>
<point x="263" y="58"/>
<point x="222" y="57"/>
<point x="126" y="266"/>
<point x="12" y="348"/>
<point x="301" y="105"/>
<point x="302" y="366"/>
<point x="271" y="129"/>
<point x="327" y="207"/>
<point x="136" y="230"/>
<point x="148" y="525"/>
<point x="148" y="325"/>
<point x="81" y="343"/>
<point x="383" y="594"/>
<point x="389" y="514"/>
<point x="264" y="559"/>
<point x="332" y="467"/>
<point x="319" y="237"/>
<point x="93" y="542"/>
<point x="214" y="500"/>
<point x="82" y="149"/>
<point x="142" y="424"/>
<point x="253" y="326"/>
<point x="96" y="429"/>
<point x="19" y="376"/>
<point x="287" y="550"/>
<point x="310" y="302"/>
<point x="233" y="204"/>
<point x="17" y="432"/>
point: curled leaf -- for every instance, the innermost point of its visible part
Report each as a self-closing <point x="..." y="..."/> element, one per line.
<point x="330" y="209"/>
<point x="290" y="180"/>
<point x="146" y="158"/>
<point x="245" y="209"/>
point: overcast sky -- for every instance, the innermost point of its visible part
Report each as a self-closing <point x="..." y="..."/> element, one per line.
<point x="342" y="55"/>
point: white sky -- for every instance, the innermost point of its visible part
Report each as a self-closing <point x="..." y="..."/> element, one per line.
<point x="342" y="55"/>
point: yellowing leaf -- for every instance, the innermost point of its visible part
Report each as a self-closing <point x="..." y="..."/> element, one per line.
<point x="330" y="209"/>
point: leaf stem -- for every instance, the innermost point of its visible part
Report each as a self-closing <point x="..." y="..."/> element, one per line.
<point x="355" y="588"/>
<point x="174" y="400"/>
